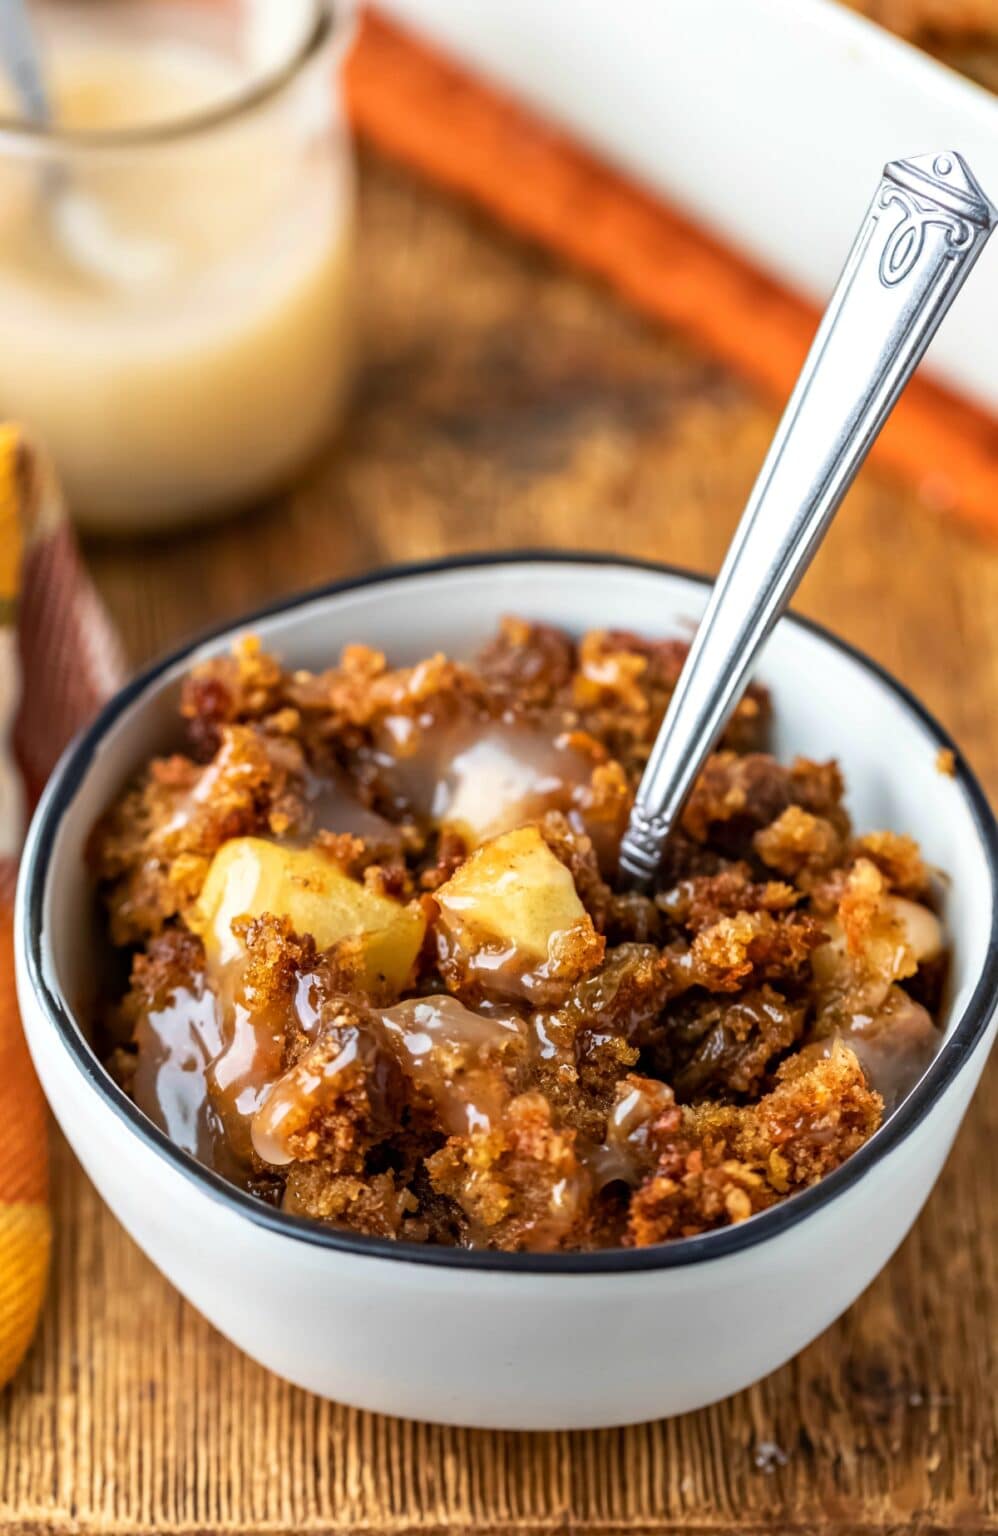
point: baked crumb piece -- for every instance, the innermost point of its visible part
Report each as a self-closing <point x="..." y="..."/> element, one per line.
<point x="946" y="762"/>
<point x="383" y="973"/>
<point x="719" y="1164"/>
<point x="519" y="1185"/>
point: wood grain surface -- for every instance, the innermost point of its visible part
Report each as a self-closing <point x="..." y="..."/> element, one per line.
<point x="501" y="402"/>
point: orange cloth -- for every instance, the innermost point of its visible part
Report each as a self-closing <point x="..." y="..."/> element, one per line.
<point x="419" y="107"/>
<point x="24" y="1215"/>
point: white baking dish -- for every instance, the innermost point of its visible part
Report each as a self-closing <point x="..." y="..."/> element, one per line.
<point x="767" y="120"/>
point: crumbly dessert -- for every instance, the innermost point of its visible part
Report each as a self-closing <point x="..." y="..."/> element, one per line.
<point x="383" y="974"/>
<point x="960" y="33"/>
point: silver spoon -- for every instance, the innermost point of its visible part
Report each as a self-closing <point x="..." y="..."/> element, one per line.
<point x="23" y="63"/>
<point x="927" y="225"/>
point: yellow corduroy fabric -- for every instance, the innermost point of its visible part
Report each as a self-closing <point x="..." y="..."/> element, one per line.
<point x="25" y="1230"/>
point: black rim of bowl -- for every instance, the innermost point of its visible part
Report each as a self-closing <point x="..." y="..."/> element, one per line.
<point x="71" y="770"/>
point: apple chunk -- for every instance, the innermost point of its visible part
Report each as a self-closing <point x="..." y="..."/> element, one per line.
<point x="250" y="876"/>
<point x="513" y="898"/>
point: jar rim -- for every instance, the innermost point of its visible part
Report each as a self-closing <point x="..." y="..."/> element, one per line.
<point x="331" y="25"/>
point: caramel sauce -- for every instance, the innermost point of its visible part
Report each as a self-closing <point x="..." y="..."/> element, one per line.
<point x="454" y="1056"/>
<point x="308" y="1002"/>
<point x="549" y="1228"/>
<point x="250" y="1058"/>
<point x="625" y="1155"/>
<point x="545" y="1043"/>
<point x="447" y="1053"/>
<point x="335" y="807"/>
<point x="206" y="1062"/>
<point x="296" y="1097"/>
<point x="895" y="1045"/>
<point x="476" y="778"/>
<point x="891" y="1033"/>
<point x="332" y="802"/>
<point x="503" y="970"/>
<point x="505" y="776"/>
<point x="175" y="1046"/>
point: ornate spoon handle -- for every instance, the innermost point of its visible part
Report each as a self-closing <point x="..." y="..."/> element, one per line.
<point x="927" y="224"/>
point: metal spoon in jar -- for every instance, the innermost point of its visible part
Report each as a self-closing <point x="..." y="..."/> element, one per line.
<point x="23" y="63"/>
<point x="927" y="225"/>
<point x="78" y="221"/>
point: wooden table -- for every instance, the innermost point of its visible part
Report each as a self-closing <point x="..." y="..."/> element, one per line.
<point x="504" y="402"/>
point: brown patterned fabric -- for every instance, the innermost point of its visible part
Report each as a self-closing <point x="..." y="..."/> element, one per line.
<point x="58" y="660"/>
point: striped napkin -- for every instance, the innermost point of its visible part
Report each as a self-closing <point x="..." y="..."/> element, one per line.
<point x="59" y="659"/>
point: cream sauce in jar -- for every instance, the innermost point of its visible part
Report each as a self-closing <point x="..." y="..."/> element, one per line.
<point x="174" y="310"/>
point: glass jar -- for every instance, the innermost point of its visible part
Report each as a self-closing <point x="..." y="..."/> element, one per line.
<point x="175" y="252"/>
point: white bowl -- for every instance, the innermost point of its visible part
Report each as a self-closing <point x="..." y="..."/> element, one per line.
<point x="518" y="1340"/>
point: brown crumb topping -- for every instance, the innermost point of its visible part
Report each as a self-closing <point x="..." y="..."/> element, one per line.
<point x="383" y="972"/>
